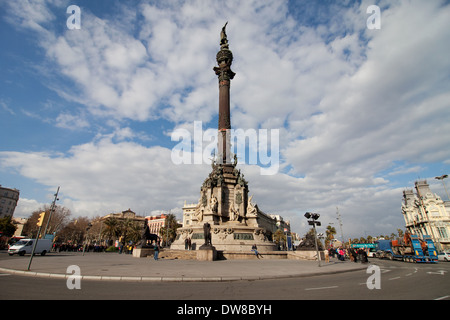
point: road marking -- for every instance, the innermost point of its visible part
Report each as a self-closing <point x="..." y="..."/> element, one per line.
<point x="394" y="278"/>
<point x="320" y="288"/>
<point x="442" y="298"/>
<point x="441" y="272"/>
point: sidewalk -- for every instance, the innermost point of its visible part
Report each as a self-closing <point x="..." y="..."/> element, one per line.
<point x="124" y="267"/>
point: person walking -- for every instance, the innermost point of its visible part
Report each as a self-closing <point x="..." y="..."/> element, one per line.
<point x="341" y="254"/>
<point x="353" y="255"/>
<point x="156" y="250"/>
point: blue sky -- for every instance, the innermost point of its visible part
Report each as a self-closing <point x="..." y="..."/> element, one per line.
<point x="362" y="113"/>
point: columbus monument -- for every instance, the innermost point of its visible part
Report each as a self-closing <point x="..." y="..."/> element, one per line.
<point x="234" y="221"/>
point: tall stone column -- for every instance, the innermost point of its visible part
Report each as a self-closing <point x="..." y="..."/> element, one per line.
<point x="224" y="60"/>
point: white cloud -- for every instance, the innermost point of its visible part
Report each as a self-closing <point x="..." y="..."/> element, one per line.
<point x="6" y="108"/>
<point x="73" y="122"/>
<point x="104" y="176"/>
<point x="390" y="108"/>
<point x="27" y="206"/>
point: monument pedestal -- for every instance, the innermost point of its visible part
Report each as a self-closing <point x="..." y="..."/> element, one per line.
<point x="142" y="252"/>
<point x="206" y="253"/>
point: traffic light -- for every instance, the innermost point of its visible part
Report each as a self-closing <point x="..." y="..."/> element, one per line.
<point x="312" y="215"/>
<point x="41" y="219"/>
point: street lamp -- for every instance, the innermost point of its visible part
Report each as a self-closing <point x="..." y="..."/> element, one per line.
<point x="313" y="222"/>
<point x="51" y="211"/>
<point x="442" y="178"/>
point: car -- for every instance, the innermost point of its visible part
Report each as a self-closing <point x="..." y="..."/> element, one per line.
<point x="444" y="256"/>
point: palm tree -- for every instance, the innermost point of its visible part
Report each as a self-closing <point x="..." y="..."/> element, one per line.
<point x="330" y="232"/>
<point x="130" y="230"/>
<point x="400" y="234"/>
<point x="111" y="229"/>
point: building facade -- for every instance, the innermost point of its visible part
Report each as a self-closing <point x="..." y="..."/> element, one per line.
<point x="124" y="215"/>
<point x="8" y="201"/>
<point x="155" y="223"/>
<point x="425" y="213"/>
<point x="188" y="213"/>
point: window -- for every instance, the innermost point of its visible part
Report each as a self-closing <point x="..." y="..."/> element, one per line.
<point x="442" y="232"/>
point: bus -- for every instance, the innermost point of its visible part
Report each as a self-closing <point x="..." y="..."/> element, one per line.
<point x="370" y="248"/>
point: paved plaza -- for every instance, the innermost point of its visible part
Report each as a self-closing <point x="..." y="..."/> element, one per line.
<point x="124" y="267"/>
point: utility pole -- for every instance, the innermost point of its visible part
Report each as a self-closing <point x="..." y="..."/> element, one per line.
<point x="313" y="222"/>
<point x="340" y="224"/>
<point x="52" y="208"/>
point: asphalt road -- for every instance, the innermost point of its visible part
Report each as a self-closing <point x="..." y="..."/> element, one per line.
<point x="397" y="281"/>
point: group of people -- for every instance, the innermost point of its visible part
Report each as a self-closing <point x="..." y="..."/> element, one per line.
<point x="187" y="244"/>
<point x="68" y="247"/>
<point x="127" y="248"/>
<point x="355" y="255"/>
<point x="358" y="255"/>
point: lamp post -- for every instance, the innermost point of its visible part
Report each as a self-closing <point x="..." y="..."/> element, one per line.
<point x="312" y="222"/>
<point x="442" y="178"/>
<point x="52" y="208"/>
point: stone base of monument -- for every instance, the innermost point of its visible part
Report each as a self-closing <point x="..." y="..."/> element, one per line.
<point x="143" y="252"/>
<point x="226" y="237"/>
<point x="206" y="253"/>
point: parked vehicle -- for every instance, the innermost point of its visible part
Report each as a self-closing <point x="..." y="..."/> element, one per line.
<point x="370" y="248"/>
<point x="411" y="249"/>
<point x="444" y="256"/>
<point x="24" y="246"/>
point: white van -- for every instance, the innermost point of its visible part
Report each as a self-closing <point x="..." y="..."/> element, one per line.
<point x="26" y="246"/>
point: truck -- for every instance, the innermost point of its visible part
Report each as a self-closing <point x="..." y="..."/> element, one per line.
<point x="24" y="246"/>
<point x="410" y="249"/>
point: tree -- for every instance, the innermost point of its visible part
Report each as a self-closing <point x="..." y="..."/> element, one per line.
<point x="279" y="237"/>
<point x="130" y="230"/>
<point x="94" y="234"/>
<point x="312" y="235"/>
<point x="400" y="233"/>
<point x="330" y="232"/>
<point x="6" y="227"/>
<point x="126" y="230"/>
<point x="58" y="220"/>
<point x="169" y="231"/>
<point x="74" y="231"/>
<point x="111" y="229"/>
